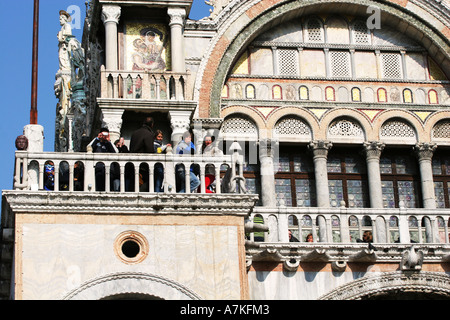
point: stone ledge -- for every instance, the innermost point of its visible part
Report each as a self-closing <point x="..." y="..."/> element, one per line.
<point x="332" y="252"/>
<point x="41" y="202"/>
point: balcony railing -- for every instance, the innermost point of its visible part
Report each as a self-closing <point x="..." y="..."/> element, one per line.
<point x="346" y="225"/>
<point x="118" y="172"/>
<point x="144" y="85"/>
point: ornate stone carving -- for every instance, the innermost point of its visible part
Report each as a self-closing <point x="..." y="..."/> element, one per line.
<point x="346" y="128"/>
<point x="177" y="16"/>
<point x="111" y="13"/>
<point x="320" y="148"/>
<point x="411" y="259"/>
<point x="22" y="143"/>
<point x="69" y="84"/>
<point x="389" y="282"/>
<point x="424" y="151"/>
<point x="373" y="149"/>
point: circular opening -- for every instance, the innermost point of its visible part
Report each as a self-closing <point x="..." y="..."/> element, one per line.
<point x="131" y="249"/>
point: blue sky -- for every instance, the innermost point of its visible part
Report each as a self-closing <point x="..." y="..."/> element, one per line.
<point x="16" y="22"/>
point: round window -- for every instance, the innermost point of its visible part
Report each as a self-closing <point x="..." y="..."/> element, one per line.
<point x="131" y="247"/>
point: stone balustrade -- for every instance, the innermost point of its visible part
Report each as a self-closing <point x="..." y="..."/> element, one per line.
<point x="145" y="85"/>
<point x="77" y="171"/>
<point x="346" y="225"/>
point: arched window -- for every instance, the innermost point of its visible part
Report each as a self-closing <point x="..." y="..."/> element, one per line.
<point x="258" y="236"/>
<point x="303" y="93"/>
<point x="408" y="96"/>
<point x="250" y="92"/>
<point x="413" y="225"/>
<point x="353" y="228"/>
<point x="382" y="95"/>
<point x="433" y="97"/>
<point x="356" y="95"/>
<point x="277" y="93"/>
<point x="394" y="233"/>
<point x="308" y="229"/>
<point x="441" y="230"/>
<point x="336" y="229"/>
<point x="293" y="227"/>
<point x="366" y="225"/>
<point x="78" y="176"/>
<point x="330" y="94"/>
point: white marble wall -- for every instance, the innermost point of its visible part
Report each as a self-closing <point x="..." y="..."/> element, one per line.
<point x="269" y="285"/>
<point x="59" y="258"/>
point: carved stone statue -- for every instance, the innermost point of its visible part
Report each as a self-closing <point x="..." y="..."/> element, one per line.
<point x="22" y="143"/>
<point x="69" y="85"/>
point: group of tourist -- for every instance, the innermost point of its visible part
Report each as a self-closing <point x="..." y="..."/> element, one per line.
<point x="146" y="140"/>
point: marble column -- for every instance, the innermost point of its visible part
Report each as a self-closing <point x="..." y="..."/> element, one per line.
<point x="180" y="122"/>
<point x="373" y="152"/>
<point x="320" y="155"/>
<point x="424" y="152"/>
<point x="266" y="154"/>
<point x="110" y="17"/>
<point x="35" y="136"/>
<point x="112" y="119"/>
<point x="177" y="19"/>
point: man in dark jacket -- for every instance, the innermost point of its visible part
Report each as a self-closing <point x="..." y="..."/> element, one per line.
<point x="143" y="138"/>
<point x="142" y="141"/>
<point x="102" y="144"/>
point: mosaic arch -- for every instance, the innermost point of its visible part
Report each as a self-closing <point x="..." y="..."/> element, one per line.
<point x="233" y="36"/>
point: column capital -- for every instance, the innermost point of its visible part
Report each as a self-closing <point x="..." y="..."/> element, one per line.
<point x="320" y="148"/>
<point x="424" y="151"/>
<point x="177" y="16"/>
<point x="267" y="147"/>
<point x="373" y="149"/>
<point x="180" y="121"/>
<point x="111" y="13"/>
<point x="112" y="119"/>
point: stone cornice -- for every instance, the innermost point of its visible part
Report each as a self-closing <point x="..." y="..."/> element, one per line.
<point x="343" y="253"/>
<point x="142" y="104"/>
<point x="100" y="203"/>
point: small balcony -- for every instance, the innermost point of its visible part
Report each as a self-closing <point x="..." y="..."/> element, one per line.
<point x="144" y="85"/>
<point x="121" y="173"/>
<point x="337" y="236"/>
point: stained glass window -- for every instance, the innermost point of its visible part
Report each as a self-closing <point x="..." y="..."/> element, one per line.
<point x="347" y="179"/>
<point x="441" y="178"/>
<point x="283" y="191"/>
<point x="400" y="179"/>
<point x="294" y="178"/>
<point x="305" y="193"/>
